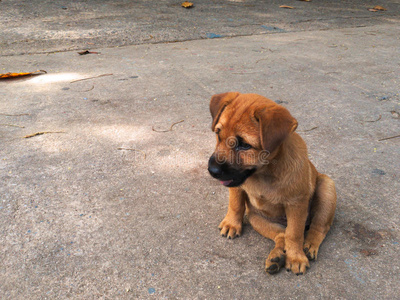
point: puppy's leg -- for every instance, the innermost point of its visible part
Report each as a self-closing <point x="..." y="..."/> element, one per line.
<point x="296" y="260"/>
<point x="273" y="231"/>
<point x="231" y="225"/>
<point x="322" y="212"/>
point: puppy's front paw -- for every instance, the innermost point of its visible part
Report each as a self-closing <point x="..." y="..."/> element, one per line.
<point x="297" y="262"/>
<point x="230" y="227"/>
<point x="275" y="261"/>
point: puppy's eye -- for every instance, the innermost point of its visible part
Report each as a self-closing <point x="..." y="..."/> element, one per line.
<point x="242" y="145"/>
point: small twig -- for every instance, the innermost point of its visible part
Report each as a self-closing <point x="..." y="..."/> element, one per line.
<point x="328" y="73"/>
<point x="205" y="198"/>
<point x="390" y="137"/>
<point x="87" y="90"/>
<point x="388" y="72"/>
<point x="261" y="60"/>
<point x="7" y="115"/>
<point x="242" y="25"/>
<point x="59" y="51"/>
<point x="40" y="133"/>
<point x="136" y="150"/>
<point x="245" y="73"/>
<point x="380" y="117"/>
<point x="170" y="129"/>
<point x="91" y="77"/>
<point x="268" y="49"/>
<point x="12" y="125"/>
<point x="371" y="32"/>
<point x="151" y="37"/>
<point x="308" y="129"/>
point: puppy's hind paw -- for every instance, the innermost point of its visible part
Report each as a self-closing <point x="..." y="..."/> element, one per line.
<point x="310" y="251"/>
<point x="275" y="261"/>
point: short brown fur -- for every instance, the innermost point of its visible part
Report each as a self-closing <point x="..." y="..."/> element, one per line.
<point x="284" y="189"/>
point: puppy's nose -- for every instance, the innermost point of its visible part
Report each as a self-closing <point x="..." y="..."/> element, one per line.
<point x="214" y="167"/>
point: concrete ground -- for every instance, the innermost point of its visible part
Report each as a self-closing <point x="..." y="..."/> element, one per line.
<point x="105" y="206"/>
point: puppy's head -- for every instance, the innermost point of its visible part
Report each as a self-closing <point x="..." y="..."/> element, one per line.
<point x="250" y="130"/>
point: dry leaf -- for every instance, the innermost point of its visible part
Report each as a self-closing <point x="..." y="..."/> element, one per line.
<point x="87" y="52"/>
<point x="286" y="6"/>
<point x="368" y="252"/>
<point x="187" y="4"/>
<point x="378" y="7"/>
<point x="395" y="114"/>
<point x="16" y="75"/>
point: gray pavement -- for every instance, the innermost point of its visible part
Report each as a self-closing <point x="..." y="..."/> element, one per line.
<point x="32" y="26"/>
<point x="82" y="219"/>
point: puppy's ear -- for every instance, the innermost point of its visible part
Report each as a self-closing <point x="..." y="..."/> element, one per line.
<point x="218" y="103"/>
<point x="276" y="124"/>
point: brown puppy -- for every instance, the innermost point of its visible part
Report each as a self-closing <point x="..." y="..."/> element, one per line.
<point x="270" y="178"/>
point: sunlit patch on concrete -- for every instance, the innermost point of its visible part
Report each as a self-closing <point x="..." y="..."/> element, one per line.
<point x="122" y="134"/>
<point x="52" y="78"/>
